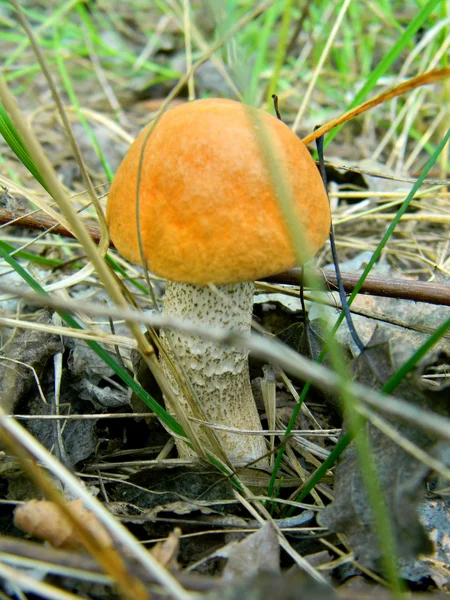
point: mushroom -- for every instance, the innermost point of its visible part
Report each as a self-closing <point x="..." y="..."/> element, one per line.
<point x="209" y="214"/>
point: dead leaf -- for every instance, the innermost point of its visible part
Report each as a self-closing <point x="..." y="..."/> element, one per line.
<point x="166" y="552"/>
<point x="27" y="348"/>
<point x="185" y="483"/>
<point x="402" y="476"/>
<point x="257" y="553"/>
<point x="78" y="437"/>
<point x="45" y="520"/>
<point x="267" y="586"/>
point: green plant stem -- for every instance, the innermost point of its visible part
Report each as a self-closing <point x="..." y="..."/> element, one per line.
<point x="401" y="373"/>
<point x="388" y="388"/>
<point x="74" y="100"/>
<point x="97" y="348"/>
<point x="340" y="447"/>
<point x="15" y="142"/>
<point x="281" y="50"/>
<point x="42" y="260"/>
<point x="414" y="25"/>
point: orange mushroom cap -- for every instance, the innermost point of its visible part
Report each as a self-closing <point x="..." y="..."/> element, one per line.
<point x="208" y="207"/>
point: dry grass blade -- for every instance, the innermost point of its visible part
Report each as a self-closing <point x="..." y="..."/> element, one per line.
<point x="79" y="229"/>
<point x="322" y="59"/>
<point x="26" y="583"/>
<point x="104" y="236"/>
<point x="419" y="291"/>
<point x="176" y="406"/>
<point x="272" y="351"/>
<point x="407" y="445"/>
<point x="262" y="516"/>
<point x="403" y="88"/>
<point x="25" y="553"/>
<point x="100" y="337"/>
<point x="106" y="555"/>
<point x="22" y="444"/>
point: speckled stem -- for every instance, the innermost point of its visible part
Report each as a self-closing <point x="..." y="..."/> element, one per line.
<point x="219" y="375"/>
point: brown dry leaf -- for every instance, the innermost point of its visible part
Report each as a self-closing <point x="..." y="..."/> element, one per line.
<point x="257" y="553"/>
<point x="25" y="351"/>
<point x="267" y="586"/>
<point x="186" y="483"/>
<point x="166" y="552"/>
<point x="45" y="520"/>
<point x="402" y="476"/>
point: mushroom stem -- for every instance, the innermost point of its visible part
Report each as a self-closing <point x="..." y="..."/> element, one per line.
<point x="218" y="375"/>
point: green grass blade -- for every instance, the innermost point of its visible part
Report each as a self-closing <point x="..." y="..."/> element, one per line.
<point x="74" y="100"/>
<point x="15" y="142"/>
<point x="41" y="260"/>
<point x="122" y="53"/>
<point x="281" y="50"/>
<point x="388" y="388"/>
<point x="115" y="265"/>
<point x="410" y="364"/>
<point x="55" y="262"/>
<point x="56" y="16"/>
<point x="100" y="351"/>
<point x="403" y="208"/>
<point x="407" y="36"/>
<point x="395" y="221"/>
<point x="250" y="92"/>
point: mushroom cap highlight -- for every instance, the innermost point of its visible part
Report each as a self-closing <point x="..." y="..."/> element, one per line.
<point x="208" y="209"/>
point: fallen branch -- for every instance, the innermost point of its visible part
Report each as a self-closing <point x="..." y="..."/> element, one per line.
<point x="419" y="291"/>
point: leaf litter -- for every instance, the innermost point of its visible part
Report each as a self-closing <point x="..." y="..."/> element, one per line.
<point x="158" y="494"/>
<point x="402" y="475"/>
<point x="200" y="502"/>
